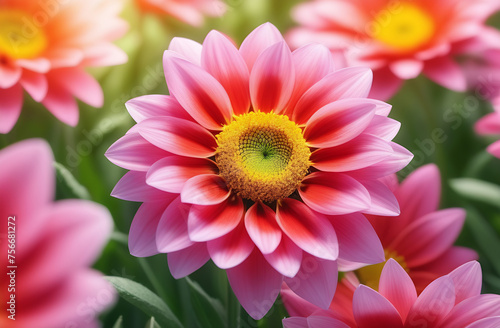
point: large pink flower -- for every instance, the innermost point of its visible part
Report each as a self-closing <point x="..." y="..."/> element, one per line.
<point x="188" y="11"/>
<point x="397" y="39"/>
<point x="262" y="160"/>
<point x="54" y="243"/>
<point x="44" y="48"/>
<point x="453" y="300"/>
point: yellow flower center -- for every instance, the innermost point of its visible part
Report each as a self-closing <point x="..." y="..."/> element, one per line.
<point x="20" y="38"/>
<point x="370" y="275"/>
<point x="262" y="157"/>
<point x="404" y="28"/>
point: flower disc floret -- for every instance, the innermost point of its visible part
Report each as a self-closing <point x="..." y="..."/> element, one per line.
<point x="262" y="156"/>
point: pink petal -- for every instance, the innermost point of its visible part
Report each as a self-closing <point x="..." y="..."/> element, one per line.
<point x="10" y="107"/>
<point x="35" y="84"/>
<point x="189" y="49"/>
<point x="142" y="235"/>
<point x="10" y="76"/>
<point x="231" y="249"/>
<point x="383" y="201"/>
<point x="295" y="305"/>
<point x="149" y="106"/>
<point x="494" y="149"/>
<point x="309" y="230"/>
<point x="383" y="127"/>
<point x="472" y="310"/>
<point x="104" y="54"/>
<point x="171" y="173"/>
<point x="286" y="258"/>
<point x="256" y="284"/>
<point x="325" y="322"/>
<point x="361" y="152"/>
<point x="80" y="84"/>
<point x="205" y="189"/>
<point x="221" y="59"/>
<point x="397" y="287"/>
<point x="358" y="240"/>
<point x="178" y="136"/>
<point x="454" y="257"/>
<point x="261" y="225"/>
<point x="172" y="232"/>
<point x="295" y="323"/>
<point x="61" y="104"/>
<point x="491" y="322"/>
<point x="489" y="124"/>
<point x="272" y="79"/>
<point x="198" y="92"/>
<point x="407" y="68"/>
<point x="445" y="71"/>
<point x="65" y="57"/>
<point x="467" y="280"/>
<point x="133" y="152"/>
<point x="257" y="41"/>
<point x="372" y="310"/>
<point x="353" y="82"/>
<point x="334" y="193"/>
<point x="316" y="280"/>
<point x="187" y="260"/>
<point x="133" y="187"/>
<point x="385" y="84"/>
<point x="38" y="65"/>
<point x="211" y="222"/>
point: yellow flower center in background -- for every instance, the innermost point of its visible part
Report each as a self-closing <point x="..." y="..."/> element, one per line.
<point x="370" y="275"/>
<point x="262" y="157"/>
<point x="405" y="27"/>
<point x="20" y="38"/>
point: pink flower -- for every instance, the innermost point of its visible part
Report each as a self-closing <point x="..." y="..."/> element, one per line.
<point x="44" y="48"/>
<point x="54" y="245"/>
<point x="260" y="159"/>
<point x="490" y="124"/>
<point x="397" y="39"/>
<point x="453" y="300"/>
<point x="188" y="11"/>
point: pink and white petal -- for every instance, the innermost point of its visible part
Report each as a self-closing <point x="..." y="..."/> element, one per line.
<point x="286" y="258"/>
<point x="261" y="225"/>
<point x="397" y="287"/>
<point x="104" y="54"/>
<point x="171" y="173"/>
<point x="39" y="65"/>
<point x="383" y="127"/>
<point x="325" y="322"/>
<point x="309" y="230"/>
<point x="468" y="280"/>
<point x="65" y="57"/>
<point x="295" y="322"/>
<point x="385" y="84"/>
<point x="272" y="79"/>
<point x="358" y="241"/>
<point x="142" y="235"/>
<point x="312" y="63"/>
<point x="172" y="232"/>
<point x="10" y="107"/>
<point x="295" y="305"/>
<point x="352" y="82"/>
<point x="61" y="104"/>
<point x="178" y="136"/>
<point x="222" y="59"/>
<point x="426" y="239"/>
<point x="363" y="151"/>
<point x="334" y="193"/>
<point x="434" y="303"/>
<point x="187" y="260"/>
<point x="494" y="149"/>
<point x="149" y="106"/>
<point x="79" y="84"/>
<point x="383" y="201"/>
<point x="205" y="189"/>
<point x="211" y="222"/>
<point x="133" y="152"/>
<point x="9" y="75"/>
<point x="489" y="124"/>
<point x="372" y="310"/>
<point x="189" y="49"/>
<point x="257" y="41"/>
<point x="256" y="284"/>
<point x="491" y="322"/>
<point x="316" y="280"/>
<point x="446" y="72"/>
<point x="407" y="68"/>
<point x="198" y="92"/>
<point x="35" y="84"/>
<point x="471" y="310"/>
<point x="231" y="249"/>
<point x="133" y="187"/>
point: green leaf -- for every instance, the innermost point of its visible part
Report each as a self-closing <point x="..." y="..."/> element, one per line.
<point x="477" y="190"/>
<point x="152" y="323"/>
<point x="146" y="300"/>
<point x="74" y="186"/>
<point x="119" y="322"/>
<point x="209" y="311"/>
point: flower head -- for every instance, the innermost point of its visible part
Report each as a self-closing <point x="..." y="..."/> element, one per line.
<point x="452" y="300"/>
<point x="52" y="285"/>
<point x="397" y="39"/>
<point x="262" y="160"/>
<point x="44" y="49"/>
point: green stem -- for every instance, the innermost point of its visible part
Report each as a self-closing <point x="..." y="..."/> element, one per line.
<point x="152" y="278"/>
<point x="233" y="309"/>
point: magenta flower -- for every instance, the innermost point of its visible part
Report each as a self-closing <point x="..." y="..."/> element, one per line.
<point x="398" y="40"/>
<point x="453" y="300"/>
<point x="260" y="159"/>
<point x="54" y="245"/>
<point x="44" y="48"/>
<point x="490" y="124"/>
